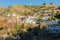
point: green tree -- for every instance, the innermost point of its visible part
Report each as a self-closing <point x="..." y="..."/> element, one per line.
<point x="57" y="15"/>
<point x="44" y="3"/>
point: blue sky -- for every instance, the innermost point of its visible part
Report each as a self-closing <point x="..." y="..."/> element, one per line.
<point x="6" y="3"/>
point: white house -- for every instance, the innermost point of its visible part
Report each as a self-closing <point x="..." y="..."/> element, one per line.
<point x="31" y="20"/>
<point x="45" y="18"/>
<point x="48" y="11"/>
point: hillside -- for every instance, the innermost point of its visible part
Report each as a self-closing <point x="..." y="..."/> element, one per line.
<point x="24" y="10"/>
<point x="12" y="17"/>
